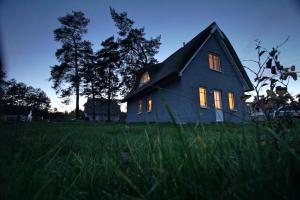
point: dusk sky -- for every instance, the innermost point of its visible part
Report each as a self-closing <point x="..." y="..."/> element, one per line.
<point x="28" y="45"/>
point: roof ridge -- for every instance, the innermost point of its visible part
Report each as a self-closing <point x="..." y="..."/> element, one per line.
<point x="173" y="64"/>
<point x="190" y="41"/>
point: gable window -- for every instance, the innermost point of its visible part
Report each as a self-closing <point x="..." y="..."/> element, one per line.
<point x="140" y="105"/>
<point x="149" y="104"/>
<point x="214" y="62"/>
<point x="231" y="101"/>
<point x="202" y="97"/>
<point x="145" y="78"/>
<point x="217" y="100"/>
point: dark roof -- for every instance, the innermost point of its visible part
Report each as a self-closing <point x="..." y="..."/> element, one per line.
<point x="101" y="106"/>
<point x="171" y="67"/>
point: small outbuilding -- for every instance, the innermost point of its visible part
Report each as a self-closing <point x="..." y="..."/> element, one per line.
<point x="101" y="110"/>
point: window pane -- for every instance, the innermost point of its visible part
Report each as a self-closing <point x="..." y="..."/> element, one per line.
<point x="218" y="63"/>
<point x="210" y="61"/>
<point x="145" y="78"/>
<point x="140" y="104"/>
<point x="231" y="101"/>
<point x="149" y="105"/>
<point x="202" y="96"/>
<point x="214" y="61"/>
<point x="217" y="99"/>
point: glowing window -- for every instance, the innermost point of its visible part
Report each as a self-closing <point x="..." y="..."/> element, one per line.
<point x="231" y="100"/>
<point x="202" y="97"/>
<point x="140" y="105"/>
<point x="217" y="100"/>
<point x="145" y="78"/>
<point x="149" y="104"/>
<point x="214" y="62"/>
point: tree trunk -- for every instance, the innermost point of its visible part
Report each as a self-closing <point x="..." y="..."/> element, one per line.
<point x="77" y="101"/>
<point x="94" y="107"/>
<point x="108" y="107"/>
<point x="77" y="82"/>
<point x="108" y="95"/>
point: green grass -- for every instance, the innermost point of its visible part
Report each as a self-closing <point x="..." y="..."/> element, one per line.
<point x="80" y="160"/>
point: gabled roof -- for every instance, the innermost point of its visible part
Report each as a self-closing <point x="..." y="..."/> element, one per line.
<point x="101" y="106"/>
<point x="172" y="67"/>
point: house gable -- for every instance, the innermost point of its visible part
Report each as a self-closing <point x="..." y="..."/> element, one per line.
<point x="176" y="63"/>
<point x="217" y="34"/>
<point x="198" y="74"/>
<point x="176" y="81"/>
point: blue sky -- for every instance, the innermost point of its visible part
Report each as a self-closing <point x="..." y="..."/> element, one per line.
<point x="29" y="48"/>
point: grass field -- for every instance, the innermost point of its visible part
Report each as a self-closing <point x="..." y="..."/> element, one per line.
<point x="80" y="160"/>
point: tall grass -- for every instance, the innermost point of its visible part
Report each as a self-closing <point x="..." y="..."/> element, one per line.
<point x="147" y="161"/>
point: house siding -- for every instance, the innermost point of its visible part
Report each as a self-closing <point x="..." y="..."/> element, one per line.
<point x="182" y="96"/>
<point x="166" y="96"/>
<point x="198" y="74"/>
<point x="101" y="117"/>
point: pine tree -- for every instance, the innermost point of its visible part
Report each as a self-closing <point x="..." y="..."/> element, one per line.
<point x="108" y="58"/>
<point x="67" y="76"/>
<point x="135" y="50"/>
<point x="91" y="77"/>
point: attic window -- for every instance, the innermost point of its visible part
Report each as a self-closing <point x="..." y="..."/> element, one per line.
<point x="145" y="78"/>
<point x="214" y="62"/>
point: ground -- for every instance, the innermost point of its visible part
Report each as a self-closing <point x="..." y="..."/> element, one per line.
<point x="82" y="160"/>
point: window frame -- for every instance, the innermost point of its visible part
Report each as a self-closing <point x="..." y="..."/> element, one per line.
<point x="219" y="59"/>
<point x="140" y="106"/>
<point x="199" y="93"/>
<point x="234" y="105"/>
<point x="151" y="106"/>
<point x="221" y="103"/>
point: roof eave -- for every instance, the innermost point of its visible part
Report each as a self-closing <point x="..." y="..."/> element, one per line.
<point x="152" y="86"/>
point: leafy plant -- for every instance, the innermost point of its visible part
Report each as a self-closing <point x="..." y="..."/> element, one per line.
<point x="271" y="80"/>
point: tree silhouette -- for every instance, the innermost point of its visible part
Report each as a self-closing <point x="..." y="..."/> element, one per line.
<point x="135" y="50"/>
<point x="2" y="81"/>
<point x="67" y="75"/>
<point x="271" y="80"/>
<point x="91" y="76"/>
<point x="108" y="59"/>
<point x="19" y="94"/>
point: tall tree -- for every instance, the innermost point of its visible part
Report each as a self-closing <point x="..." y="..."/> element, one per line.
<point x="135" y="50"/>
<point x="91" y="78"/>
<point x="67" y="75"/>
<point x="108" y="58"/>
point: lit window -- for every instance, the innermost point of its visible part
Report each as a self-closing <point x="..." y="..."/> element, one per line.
<point x="140" y="105"/>
<point x="145" y="78"/>
<point x="217" y="100"/>
<point x="149" y="104"/>
<point x="202" y="97"/>
<point x="214" y="61"/>
<point x="231" y="100"/>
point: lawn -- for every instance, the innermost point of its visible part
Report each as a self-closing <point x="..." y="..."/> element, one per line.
<point x="81" y="160"/>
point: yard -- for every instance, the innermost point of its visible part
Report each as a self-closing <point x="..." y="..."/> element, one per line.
<point x="81" y="160"/>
